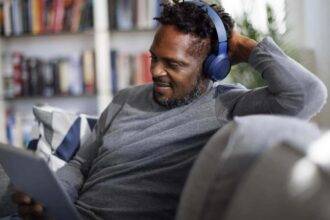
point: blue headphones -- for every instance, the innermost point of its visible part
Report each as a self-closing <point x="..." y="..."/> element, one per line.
<point x="216" y="65"/>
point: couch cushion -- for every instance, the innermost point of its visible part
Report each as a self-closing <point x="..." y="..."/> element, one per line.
<point x="229" y="155"/>
<point x="59" y="134"/>
<point x="288" y="182"/>
<point x="6" y="206"/>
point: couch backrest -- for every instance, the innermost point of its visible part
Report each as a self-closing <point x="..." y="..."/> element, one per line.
<point x="285" y="183"/>
<point x="226" y="162"/>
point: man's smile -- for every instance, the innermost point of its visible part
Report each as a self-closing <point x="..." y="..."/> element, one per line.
<point x="161" y="87"/>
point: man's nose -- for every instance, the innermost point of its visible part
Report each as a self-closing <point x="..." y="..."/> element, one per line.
<point x="157" y="70"/>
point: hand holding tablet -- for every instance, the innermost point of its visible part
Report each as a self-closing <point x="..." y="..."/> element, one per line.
<point x="31" y="175"/>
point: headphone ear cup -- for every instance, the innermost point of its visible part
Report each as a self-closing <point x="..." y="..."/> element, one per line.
<point x="207" y="63"/>
<point x="217" y="67"/>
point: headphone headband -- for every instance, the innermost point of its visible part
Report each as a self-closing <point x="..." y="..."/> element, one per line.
<point x="217" y="64"/>
<point x="220" y="28"/>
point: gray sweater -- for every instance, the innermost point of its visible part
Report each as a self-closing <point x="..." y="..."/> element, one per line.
<point x="135" y="164"/>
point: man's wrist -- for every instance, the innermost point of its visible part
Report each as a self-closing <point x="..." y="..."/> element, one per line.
<point x="246" y="46"/>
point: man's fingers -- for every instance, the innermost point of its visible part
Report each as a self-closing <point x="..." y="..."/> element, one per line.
<point x="21" y="198"/>
<point x="37" y="209"/>
<point x="34" y="211"/>
<point x="24" y="210"/>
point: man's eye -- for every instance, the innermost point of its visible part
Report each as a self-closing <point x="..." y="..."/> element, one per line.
<point x="153" y="58"/>
<point x="173" y="65"/>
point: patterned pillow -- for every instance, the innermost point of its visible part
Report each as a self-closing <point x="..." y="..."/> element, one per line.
<point x="59" y="134"/>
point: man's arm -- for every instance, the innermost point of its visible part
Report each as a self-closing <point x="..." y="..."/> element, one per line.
<point x="73" y="174"/>
<point x="291" y="89"/>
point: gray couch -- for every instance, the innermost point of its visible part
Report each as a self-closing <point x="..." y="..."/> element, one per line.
<point x="257" y="168"/>
<point x="251" y="169"/>
<point x="6" y="207"/>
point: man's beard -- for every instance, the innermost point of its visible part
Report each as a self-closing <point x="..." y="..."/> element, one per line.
<point x="199" y="88"/>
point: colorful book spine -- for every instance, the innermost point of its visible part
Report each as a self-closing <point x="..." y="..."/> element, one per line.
<point x="76" y="15"/>
<point x="44" y="16"/>
<point x="114" y="74"/>
<point x="17" y="17"/>
<point x="64" y="76"/>
<point x="58" y="16"/>
<point x="31" y="76"/>
<point x="17" y="60"/>
<point x="124" y="14"/>
<point x="18" y="128"/>
<point x="7" y="17"/>
<point x="129" y="69"/>
<point x="88" y="63"/>
<point x="49" y="80"/>
<point x="133" y="14"/>
<point x="146" y="64"/>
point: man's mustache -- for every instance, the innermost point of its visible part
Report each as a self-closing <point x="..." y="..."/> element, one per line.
<point x="162" y="81"/>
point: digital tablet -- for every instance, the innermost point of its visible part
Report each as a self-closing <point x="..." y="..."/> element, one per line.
<point x="31" y="175"/>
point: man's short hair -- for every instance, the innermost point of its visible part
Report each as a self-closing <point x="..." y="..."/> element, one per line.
<point x="191" y="19"/>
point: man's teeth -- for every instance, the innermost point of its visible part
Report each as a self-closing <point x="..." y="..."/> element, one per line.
<point x="163" y="84"/>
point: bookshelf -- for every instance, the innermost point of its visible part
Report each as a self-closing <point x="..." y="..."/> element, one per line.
<point x="103" y="37"/>
<point x="2" y="105"/>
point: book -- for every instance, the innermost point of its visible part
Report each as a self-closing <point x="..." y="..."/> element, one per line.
<point x="41" y="16"/>
<point x="76" y="15"/>
<point x="64" y="76"/>
<point x="1" y="18"/>
<point x="142" y="15"/>
<point x="16" y="12"/>
<point x="18" y="128"/>
<point x="133" y="14"/>
<point x="76" y="86"/>
<point x="124" y="70"/>
<point x="25" y="16"/>
<point x="88" y="64"/>
<point x="30" y="15"/>
<point x="44" y="16"/>
<point x="139" y="78"/>
<point x="7" y="17"/>
<point x="17" y="59"/>
<point x="55" y="69"/>
<point x="124" y="14"/>
<point x="129" y="69"/>
<point x="49" y="15"/>
<point x="31" y="76"/>
<point x="112" y="14"/>
<point x="7" y="75"/>
<point x="58" y="15"/>
<point x="146" y="64"/>
<point x="25" y="78"/>
<point x="35" y="17"/>
<point x="154" y="10"/>
<point x="49" y="80"/>
<point x="114" y="74"/>
<point x="86" y="21"/>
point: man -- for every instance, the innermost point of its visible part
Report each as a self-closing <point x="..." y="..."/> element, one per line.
<point x="135" y="164"/>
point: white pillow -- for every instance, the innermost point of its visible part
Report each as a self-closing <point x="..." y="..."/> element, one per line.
<point x="59" y="134"/>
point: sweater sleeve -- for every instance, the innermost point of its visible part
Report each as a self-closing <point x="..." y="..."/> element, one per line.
<point x="74" y="173"/>
<point x="291" y="89"/>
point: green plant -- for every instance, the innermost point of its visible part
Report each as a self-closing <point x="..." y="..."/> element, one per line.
<point x="244" y="73"/>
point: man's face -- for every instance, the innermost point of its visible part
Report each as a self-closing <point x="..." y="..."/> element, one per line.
<point x="176" y="71"/>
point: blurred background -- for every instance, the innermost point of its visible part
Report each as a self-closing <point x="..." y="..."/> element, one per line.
<point x="76" y="54"/>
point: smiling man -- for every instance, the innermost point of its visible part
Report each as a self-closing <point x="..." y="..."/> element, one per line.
<point x="135" y="164"/>
<point x="176" y="69"/>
